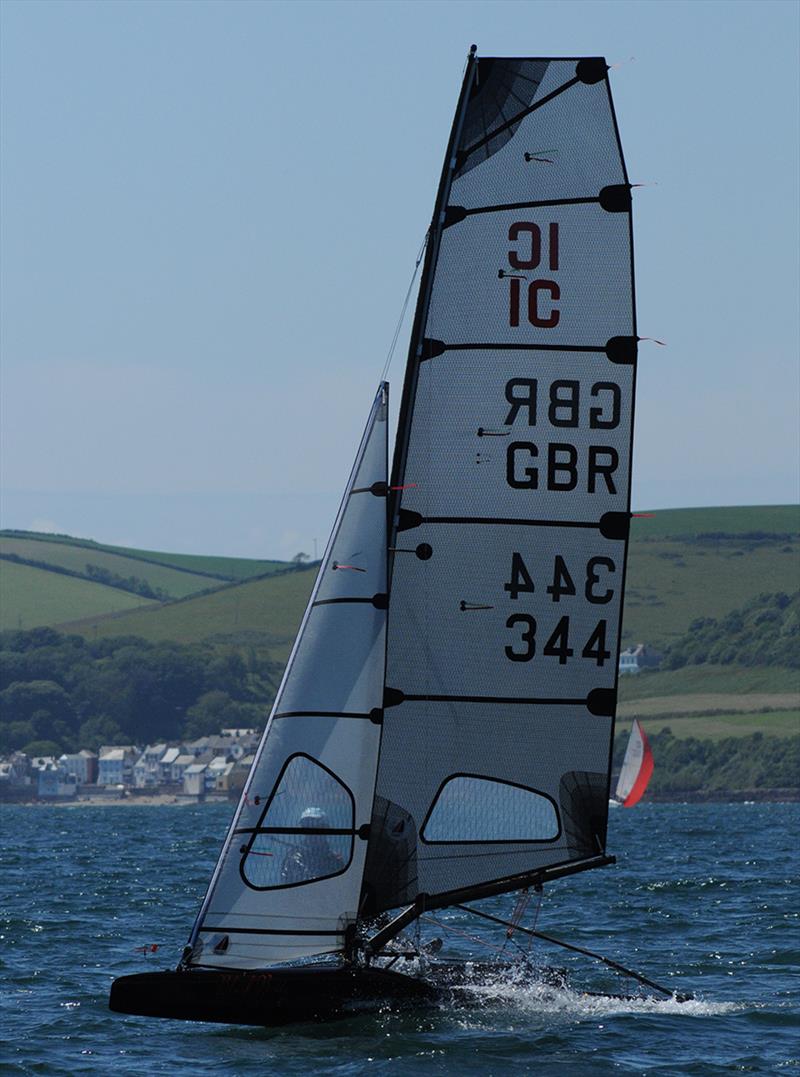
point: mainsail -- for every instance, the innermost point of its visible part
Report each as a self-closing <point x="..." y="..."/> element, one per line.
<point x="511" y="513"/>
<point x="637" y="768"/>
<point x="304" y="815"/>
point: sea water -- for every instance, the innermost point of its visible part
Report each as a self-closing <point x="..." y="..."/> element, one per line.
<point x="702" y="899"/>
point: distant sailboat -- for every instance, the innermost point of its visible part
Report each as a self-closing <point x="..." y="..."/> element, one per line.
<point x="443" y="730"/>
<point x="637" y="768"/>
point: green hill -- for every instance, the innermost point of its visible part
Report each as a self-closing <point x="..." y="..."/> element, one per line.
<point x="263" y="613"/>
<point x="146" y="574"/>
<point x="32" y="597"/>
<point x="685" y="564"/>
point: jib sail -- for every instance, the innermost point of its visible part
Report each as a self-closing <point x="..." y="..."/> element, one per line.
<point x="510" y="526"/>
<point x="288" y="880"/>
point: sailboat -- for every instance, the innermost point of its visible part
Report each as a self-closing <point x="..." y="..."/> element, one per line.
<point x="444" y="726"/>
<point x="637" y="769"/>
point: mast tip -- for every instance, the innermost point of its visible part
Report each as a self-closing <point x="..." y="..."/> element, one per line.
<point x="473" y="49"/>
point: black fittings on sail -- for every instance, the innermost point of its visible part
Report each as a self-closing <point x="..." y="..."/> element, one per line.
<point x="616" y="198"/>
<point x="431" y="348"/>
<point x="615" y="525"/>
<point x="424" y="551"/>
<point x="407" y="519"/>
<point x="591" y="70"/>
<point x="454" y="215"/>
<point x="602" y="702"/>
<point x="622" y="350"/>
<point x="392" y="697"/>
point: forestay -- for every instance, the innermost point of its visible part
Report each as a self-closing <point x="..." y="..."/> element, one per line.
<point x="288" y="880"/>
<point x="511" y="524"/>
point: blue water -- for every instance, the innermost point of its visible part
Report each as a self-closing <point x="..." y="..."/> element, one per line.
<point x="702" y="898"/>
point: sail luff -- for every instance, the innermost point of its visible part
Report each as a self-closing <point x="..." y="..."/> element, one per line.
<point x="424" y="295"/>
<point x="635" y="334"/>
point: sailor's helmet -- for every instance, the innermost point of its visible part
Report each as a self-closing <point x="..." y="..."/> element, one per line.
<point x="313" y="818"/>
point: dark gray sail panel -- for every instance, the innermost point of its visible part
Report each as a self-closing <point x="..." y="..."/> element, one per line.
<point x="524" y="745"/>
<point x="570" y="142"/>
<point x="513" y="453"/>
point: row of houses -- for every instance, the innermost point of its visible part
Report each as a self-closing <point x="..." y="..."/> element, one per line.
<point x="216" y="764"/>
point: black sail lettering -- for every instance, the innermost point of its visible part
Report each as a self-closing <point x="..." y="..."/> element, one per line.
<point x="605" y="418"/>
<point x="564" y="402"/>
<point x="531" y="479"/>
<point x="603" y="460"/>
<point x="562" y="460"/>
<point x="521" y="393"/>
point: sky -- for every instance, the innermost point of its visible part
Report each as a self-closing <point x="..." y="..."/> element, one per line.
<point x="210" y="213"/>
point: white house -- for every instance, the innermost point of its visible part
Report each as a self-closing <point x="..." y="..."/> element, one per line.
<point x="82" y="764"/>
<point x="635" y="659"/>
<point x="147" y="769"/>
<point x="115" y="765"/>
<point x="194" y="779"/>
<point x="165" y="763"/>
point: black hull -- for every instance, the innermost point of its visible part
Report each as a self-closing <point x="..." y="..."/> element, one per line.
<point x="268" y="998"/>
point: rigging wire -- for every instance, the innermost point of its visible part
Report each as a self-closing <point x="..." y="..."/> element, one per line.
<point x="401" y="319"/>
<point x="457" y="931"/>
<point x="679" y="997"/>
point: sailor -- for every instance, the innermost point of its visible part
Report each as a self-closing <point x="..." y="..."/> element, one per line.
<point x="312" y="856"/>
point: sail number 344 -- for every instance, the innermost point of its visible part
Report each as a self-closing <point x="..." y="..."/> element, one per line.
<point x="557" y="644"/>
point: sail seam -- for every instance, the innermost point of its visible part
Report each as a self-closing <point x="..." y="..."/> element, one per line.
<point x="542" y="204"/>
<point x="491" y="521"/>
<point x="409" y="698"/>
<point x="324" y="714"/>
<point x="334" y="601"/>
<point x="490" y="346"/>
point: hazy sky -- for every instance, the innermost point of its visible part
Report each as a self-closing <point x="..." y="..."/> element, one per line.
<point x="210" y="214"/>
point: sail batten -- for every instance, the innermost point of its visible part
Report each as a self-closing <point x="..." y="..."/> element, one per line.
<point x="515" y="441"/>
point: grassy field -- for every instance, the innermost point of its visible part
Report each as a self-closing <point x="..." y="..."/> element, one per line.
<point x="704" y="680"/>
<point x="228" y="568"/>
<point x="177" y="584"/>
<point x="34" y="597"/>
<point x="738" y="519"/>
<point x="47" y="600"/>
<point x="264" y="613"/>
<point x="670" y="584"/>
<point x="718" y="726"/>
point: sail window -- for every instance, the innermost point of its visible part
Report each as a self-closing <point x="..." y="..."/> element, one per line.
<point x="472" y="808"/>
<point x="306" y="831"/>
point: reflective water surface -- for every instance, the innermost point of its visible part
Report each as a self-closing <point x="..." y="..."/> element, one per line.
<point x="703" y="898"/>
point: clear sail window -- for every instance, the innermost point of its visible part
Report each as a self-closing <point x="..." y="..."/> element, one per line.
<point x="306" y="832"/>
<point x="472" y="808"/>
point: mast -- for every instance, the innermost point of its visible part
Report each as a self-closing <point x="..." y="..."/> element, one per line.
<point x="511" y="500"/>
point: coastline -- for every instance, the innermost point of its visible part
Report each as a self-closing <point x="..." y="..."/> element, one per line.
<point x="170" y="800"/>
